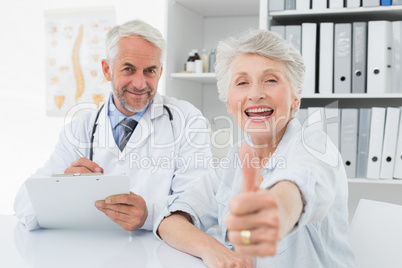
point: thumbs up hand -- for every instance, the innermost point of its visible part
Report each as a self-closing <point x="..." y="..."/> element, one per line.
<point x="250" y="172"/>
<point x="253" y="221"/>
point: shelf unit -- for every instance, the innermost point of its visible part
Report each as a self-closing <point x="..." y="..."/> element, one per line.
<point x="381" y="190"/>
<point x="201" y="23"/>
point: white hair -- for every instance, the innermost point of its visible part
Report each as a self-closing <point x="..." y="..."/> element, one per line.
<point x="263" y="43"/>
<point x="137" y="28"/>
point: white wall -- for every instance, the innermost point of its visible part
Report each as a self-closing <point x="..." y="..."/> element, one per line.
<point x="27" y="134"/>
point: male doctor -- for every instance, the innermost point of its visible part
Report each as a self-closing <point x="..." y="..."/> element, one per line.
<point x="159" y="156"/>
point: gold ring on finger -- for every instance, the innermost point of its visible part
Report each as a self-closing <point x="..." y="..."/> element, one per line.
<point x="245" y="237"/>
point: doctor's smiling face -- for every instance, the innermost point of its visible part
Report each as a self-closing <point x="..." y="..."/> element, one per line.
<point x="260" y="97"/>
<point x="134" y="74"/>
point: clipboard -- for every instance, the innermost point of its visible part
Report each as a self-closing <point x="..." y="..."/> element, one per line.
<point x="68" y="202"/>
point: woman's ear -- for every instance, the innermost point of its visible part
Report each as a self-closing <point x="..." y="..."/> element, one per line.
<point x="296" y="101"/>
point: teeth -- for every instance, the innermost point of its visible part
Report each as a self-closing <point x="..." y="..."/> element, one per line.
<point x="258" y="117"/>
<point x="258" y="110"/>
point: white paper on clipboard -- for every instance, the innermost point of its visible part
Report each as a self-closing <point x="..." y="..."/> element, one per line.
<point x="69" y="201"/>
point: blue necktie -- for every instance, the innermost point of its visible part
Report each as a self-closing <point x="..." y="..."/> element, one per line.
<point x="128" y="125"/>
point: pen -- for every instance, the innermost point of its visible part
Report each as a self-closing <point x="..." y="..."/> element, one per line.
<point x="79" y="153"/>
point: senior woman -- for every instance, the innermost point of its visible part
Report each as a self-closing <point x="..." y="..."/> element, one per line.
<point x="284" y="200"/>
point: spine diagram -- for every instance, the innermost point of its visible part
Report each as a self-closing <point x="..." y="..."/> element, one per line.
<point x="78" y="76"/>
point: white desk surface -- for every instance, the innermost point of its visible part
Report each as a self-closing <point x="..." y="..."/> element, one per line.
<point x="85" y="248"/>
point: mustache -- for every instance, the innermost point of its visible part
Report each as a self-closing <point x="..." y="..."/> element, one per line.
<point x="136" y="90"/>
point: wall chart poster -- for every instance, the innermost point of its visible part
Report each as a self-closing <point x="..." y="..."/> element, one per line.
<point x="75" y="46"/>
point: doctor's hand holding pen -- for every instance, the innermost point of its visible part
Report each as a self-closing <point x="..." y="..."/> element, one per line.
<point x="127" y="210"/>
<point x="83" y="165"/>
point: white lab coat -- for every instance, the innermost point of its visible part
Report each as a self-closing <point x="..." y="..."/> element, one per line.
<point x="162" y="157"/>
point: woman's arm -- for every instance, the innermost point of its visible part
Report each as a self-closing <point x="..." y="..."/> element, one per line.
<point x="178" y="231"/>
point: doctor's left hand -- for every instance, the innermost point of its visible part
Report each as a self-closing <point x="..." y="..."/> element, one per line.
<point x="127" y="210"/>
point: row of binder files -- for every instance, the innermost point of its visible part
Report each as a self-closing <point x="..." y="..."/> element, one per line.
<point x="369" y="139"/>
<point x="280" y="5"/>
<point x="342" y="58"/>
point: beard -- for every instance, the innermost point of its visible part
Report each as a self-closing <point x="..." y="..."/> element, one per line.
<point x="139" y="105"/>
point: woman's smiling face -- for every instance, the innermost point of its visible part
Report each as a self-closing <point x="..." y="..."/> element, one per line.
<point x="260" y="96"/>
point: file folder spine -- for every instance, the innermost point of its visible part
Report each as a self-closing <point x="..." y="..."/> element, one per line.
<point x="370" y="3"/>
<point x="359" y="55"/>
<point x="363" y="142"/>
<point x="343" y="58"/>
<point x="276" y="5"/>
<point x="326" y="59"/>
<point x="376" y="142"/>
<point x="309" y="46"/>
<point x="352" y="3"/>
<point x="397" y="56"/>
<point x="293" y="35"/>
<point x="335" y="3"/>
<point x="379" y="54"/>
<point x="389" y="145"/>
<point x="398" y="154"/>
<point x="303" y="4"/>
<point x="290" y="4"/>
<point x="319" y="4"/>
<point x="279" y="29"/>
<point x="349" y="140"/>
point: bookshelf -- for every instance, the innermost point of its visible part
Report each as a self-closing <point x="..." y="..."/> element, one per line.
<point x="381" y="190"/>
<point x="201" y="23"/>
<point x="203" y="78"/>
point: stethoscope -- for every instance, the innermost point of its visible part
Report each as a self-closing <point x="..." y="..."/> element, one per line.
<point x="91" y="150"/>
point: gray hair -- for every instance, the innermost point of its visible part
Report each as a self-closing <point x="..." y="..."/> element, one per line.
<point x="263" y="43"/>
<point x="134" y="27"/>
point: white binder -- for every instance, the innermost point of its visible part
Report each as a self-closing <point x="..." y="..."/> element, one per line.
<point x="398" y="154"/>
<point x="396" y="2"/>
<point x="279" y="29"/>
<point x="309" y="44"/>
<point x="352" y="3"/>
<point x="397" y="56"/>
<point x="376" y="142"/>
<point x="332" y="124"/>
<point x="293" y="35"/>
<point x="276" y="5"/>
<point x="335" y="4"/>
<point x="363" y="142"/>
<point x="390" y="138"/>
<point x="303" y="4"/>
<point x="370" y="3"/>
<point x="342" y="58"/>
<point x="349" y="140"/>
<point x="319" y="4"/>
<point x="359" y="57"/>
<point x="326" y="59"/>
<point x="379" y="57"/>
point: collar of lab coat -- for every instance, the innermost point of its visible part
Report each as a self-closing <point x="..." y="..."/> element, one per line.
<point x="140" y="135"/>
